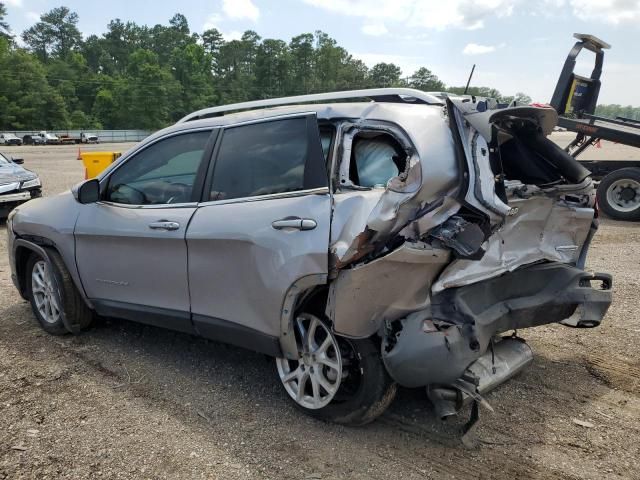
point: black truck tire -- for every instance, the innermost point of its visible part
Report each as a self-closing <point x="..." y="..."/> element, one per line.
<point x="619" y="194"/>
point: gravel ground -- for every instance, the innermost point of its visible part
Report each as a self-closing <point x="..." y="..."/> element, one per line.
<point x="129" y="401"/>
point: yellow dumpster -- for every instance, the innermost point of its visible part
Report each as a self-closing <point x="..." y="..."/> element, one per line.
<point x="96" y="162"/>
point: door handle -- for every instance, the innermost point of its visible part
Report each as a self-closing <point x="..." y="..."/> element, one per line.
<point x="164" y="225"/>
<point x="295" y="223"/>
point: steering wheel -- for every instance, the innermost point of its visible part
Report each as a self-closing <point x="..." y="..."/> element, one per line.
<point x="142" y="197"/>
<point x="186" y="189"/>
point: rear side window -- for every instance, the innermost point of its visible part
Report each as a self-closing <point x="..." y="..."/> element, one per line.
<point x="269" y="157"/>
<point x="375" y="160"/>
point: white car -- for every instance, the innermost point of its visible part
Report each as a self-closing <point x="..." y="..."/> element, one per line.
<point x="9" y="139"/>
<point x="89" y="138"/>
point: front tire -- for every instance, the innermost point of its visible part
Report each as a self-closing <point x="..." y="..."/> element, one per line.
<point x="336" y="379"/>
<point x="54" y="298"/>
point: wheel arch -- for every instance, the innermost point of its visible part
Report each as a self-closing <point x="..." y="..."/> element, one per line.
<point x="310" y="287"/>
<point x="23" y="248"/>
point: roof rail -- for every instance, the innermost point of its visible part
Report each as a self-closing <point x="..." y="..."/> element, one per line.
<point x="391" y="95"/>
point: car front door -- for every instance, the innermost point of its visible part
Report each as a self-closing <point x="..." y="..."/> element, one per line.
<point x="130" y="246"/>
<point x="263" y="226"/>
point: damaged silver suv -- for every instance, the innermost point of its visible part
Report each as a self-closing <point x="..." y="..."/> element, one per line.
<point x="364" y="239"/>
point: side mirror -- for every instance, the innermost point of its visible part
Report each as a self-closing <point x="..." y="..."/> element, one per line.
<point x="88" y="192"/>
<point x="18" y="161"/>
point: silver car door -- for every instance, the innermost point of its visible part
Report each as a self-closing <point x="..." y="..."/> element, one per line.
<point x="130" y="246"/>
<point x="264" y="228"/>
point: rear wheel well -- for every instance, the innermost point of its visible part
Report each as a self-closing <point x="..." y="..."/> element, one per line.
<point x="314" y="301"/>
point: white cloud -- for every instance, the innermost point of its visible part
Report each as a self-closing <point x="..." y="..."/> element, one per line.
<point x="232" y="35"/>
<point x="610" y="11"/>
<point x="467" y="14"/>
<point x="214" y="20"/>
<point x="476" y="49"/>
<point x="241" y="9"/>
<point x="32" y="16"/>
<point x="374" y="29"/>
<point x="13" y="3"/>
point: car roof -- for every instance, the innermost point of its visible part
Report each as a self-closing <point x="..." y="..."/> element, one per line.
<point x="390" y="112"/>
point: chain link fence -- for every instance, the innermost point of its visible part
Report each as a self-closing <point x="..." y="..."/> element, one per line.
<point x="104" y="136"/>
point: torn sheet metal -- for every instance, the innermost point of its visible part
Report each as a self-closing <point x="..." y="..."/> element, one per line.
<point x="542" y="229"/>
<point x="481" y="192"/>
<point x="387" y="288"/>
<point x="432" y="173"/>
<point x="436" y="345"/>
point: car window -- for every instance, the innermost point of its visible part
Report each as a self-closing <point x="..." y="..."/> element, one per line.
<point x="375" y="160"/>
<point x="163" y="173"/>
<point x="268" y="157"/>
<point x="326" y="137"/>
<point x="3" y="159"/>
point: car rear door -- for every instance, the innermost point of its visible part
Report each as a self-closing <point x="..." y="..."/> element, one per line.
<point x="130" y="246"/>
<point x="263" y="225"/>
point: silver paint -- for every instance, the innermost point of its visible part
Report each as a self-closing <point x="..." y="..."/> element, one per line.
<point x="387" y="288"/>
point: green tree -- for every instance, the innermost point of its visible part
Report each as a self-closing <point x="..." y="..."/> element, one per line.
<point x="191" y="68"/>
<point x="5" y="30"/>
<point x="302" y="62"/>
<point x="425" y="80"/>
<point x="385" y="75"/>
<point x="27" y="99"/>
<point x="56" y="34"/>
<point x="273" y="61"/>
<point x="136" y="76"/>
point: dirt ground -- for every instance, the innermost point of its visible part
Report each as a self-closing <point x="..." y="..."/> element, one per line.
<point x="127" y="401"/>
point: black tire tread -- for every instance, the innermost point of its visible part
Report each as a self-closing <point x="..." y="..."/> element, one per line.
<point x="379" y="391"/>
<point x="605" y="183"/>
<point x="78" y="315"/>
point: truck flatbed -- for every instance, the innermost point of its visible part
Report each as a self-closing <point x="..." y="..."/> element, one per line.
<point x="626" y="133"/>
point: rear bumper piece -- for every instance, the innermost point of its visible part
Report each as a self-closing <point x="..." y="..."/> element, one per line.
<point x="435" y="346"/>
<point x="506" y="358"/>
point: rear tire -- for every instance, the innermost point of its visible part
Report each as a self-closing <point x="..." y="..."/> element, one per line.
<point x="364" y="391"/>
<point x="619" y="194"/>
<point x="55" y="300"/>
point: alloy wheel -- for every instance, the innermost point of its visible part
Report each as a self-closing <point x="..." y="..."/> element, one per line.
<point x="44" y="293"/>
<point x="313" y="379"/>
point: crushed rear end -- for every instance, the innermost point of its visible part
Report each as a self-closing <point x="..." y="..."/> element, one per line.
<point x="441" y="275"/>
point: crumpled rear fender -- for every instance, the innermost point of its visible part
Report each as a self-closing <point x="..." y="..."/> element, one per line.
<point x="436" y="345"/>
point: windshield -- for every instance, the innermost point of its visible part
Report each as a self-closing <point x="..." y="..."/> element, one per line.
<point x="3" y="159"/>
<point x="9" y="135"/>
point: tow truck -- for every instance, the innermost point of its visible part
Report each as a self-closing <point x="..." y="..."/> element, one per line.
<point x="575" y="99"/>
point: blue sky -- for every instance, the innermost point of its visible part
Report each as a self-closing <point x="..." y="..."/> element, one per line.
<point x="518" y="45"/>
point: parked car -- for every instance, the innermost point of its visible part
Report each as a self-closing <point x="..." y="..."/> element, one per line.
<point x="49" y="138"/>
<point x="362" y="245"/>
<point x="41" y="138"/>
<point x="33" y="140"/>
<point x="17" y="184"/>
<point x="86" y="137"/>
<point x="9" y="139"/>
